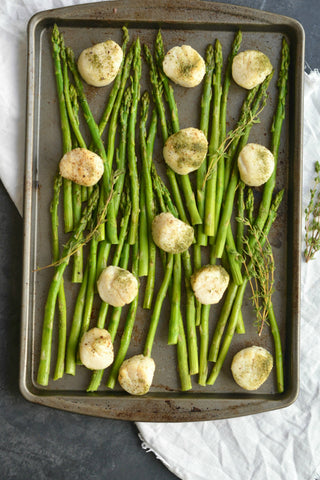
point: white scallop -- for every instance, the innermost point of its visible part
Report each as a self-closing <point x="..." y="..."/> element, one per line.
<point x="184" y="151"/>
<point x="184" y="66"/>
<point x="171" y="234"/>
<point x="250" y="68"/>
<point x="209" y="284"/>
<point x="251" y="367"/>
<point x="96" y="349"/>
<point x="256" y="164"/>
<point x="82" y="167"/>
<point x="136" y="374"/>
<point x="100" y="64"/>
<point x="117" y="286"/>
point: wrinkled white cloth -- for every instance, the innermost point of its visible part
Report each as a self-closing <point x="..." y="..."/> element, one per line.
<point x="278" y="445"/>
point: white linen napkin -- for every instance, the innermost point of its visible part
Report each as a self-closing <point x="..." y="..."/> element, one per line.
<point x="283" y="444"/>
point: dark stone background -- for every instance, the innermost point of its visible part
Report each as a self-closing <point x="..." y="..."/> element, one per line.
<point x="42" y="443"/>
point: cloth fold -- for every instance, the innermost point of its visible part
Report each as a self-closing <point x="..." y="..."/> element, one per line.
<point x="278" y="445"/>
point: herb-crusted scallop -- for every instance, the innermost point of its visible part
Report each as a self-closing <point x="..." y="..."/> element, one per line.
<point x="251" y="367"/>
<point x="136" y="374"/>
<point x="256" y="164"/>
<point x="117" y="286"/>
<point x="96" y="349"/>
<point x="82" y="167"/>
<point x="209" y="284"/>
<point x="184" y="151"/>
<point x="184" y="66"/>
<point x="250" y="68"/>
<point x="100" y="64"/>
<point x="171" y="234"/>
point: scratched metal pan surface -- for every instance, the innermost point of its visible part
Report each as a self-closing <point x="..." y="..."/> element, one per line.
<point x="196" y="23"/>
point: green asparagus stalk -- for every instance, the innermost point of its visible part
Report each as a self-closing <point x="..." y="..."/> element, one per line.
<point x="240" y="214"/>
<point x="74" y="335"/>
<point x="154" y="321"/>
<point x="104" y="246"/>
<point x="148" y="294"/>
<point x="276" y="134"/>
<point x="175" y="312"/>
<point x="92" y="264"/>
<point x="97" y="375"/>
<point x="115" y="261"/>
<point x="182" y="354"/>
<point x="183" y="179"/>
<point x="204" y="126"/>
<point x="143" y="233"/>
<point x="132" y="161"/>
<point x="157" y="95"/>
<point x="210" y="200"/>
<point x="94" y="130"/>
<point x="257" y="106"/>
<point x="128" y="328"/>
<point x="146" y="146"/>
<point x="71" y="97"/>
<point x="67" y="199"/>
<point x="223" y="115"/>
<point x="46" y="342"/>
<point x="65" y="128"/>
<point x="236" y="308"/>
<point x="117" y="84"/>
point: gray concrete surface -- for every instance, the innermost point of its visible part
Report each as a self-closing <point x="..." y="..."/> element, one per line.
<point x="41" y="443"/>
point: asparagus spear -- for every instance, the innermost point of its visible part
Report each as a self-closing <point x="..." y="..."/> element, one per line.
<point x="104" y="246"/>
<point x="183" y="179"/>
<point x="121" y="253"/>
<point x="74" y="335"/>
<point x="66" y="135"/>
<point x="117" y="84"/>
<point x="258" y="104"/>
<point x="127" y="332"/>
<point x="223" y="113"/>
<point x="204" y="126"/>
<point x="45" y="355"/>
<point x="236" y="308"/>
<point x="210" y="200"/>
<point x="157" y="95"/>
<point x="132" y="161"/>
<point x="148" y="294"/>
<point x="146" y="156"/>
<point x="94" y="130"/>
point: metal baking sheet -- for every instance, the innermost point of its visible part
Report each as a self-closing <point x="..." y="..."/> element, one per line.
<point x="197" y="23"/>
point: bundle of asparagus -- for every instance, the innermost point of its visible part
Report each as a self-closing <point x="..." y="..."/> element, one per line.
<point x="121" y="209"/>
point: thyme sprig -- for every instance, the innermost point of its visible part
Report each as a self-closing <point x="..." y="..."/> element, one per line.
<point x="259" y="266"/>
<point x="312" y="219"/>
<point x="73" y="246"/>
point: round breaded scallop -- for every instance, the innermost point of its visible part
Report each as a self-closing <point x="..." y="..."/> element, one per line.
<point x="209" y="284"/>
<point x="82" y="167"/>
<point x="117" y="286"/>
<point x="256" y="164"/>
<point x="100" y="64"/>
<point x="184" y="151"/>
<point x="251" y="367"/>
<point x="184" y="66"/>
<point x="250" y="68"/>
<point x="136" y="374"/>
<point x="96" y="349"/>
